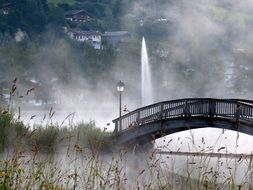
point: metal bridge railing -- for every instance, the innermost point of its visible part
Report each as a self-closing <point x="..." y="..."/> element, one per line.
<point x="226" y="108"/>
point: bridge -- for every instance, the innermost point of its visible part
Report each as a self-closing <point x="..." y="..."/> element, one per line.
<point x="148" y="123"/>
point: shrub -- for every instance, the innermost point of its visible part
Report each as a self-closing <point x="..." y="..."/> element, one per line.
<point x="5" y="125"/>
<point x="44" y="138"/>
<point x="92" y="137"/>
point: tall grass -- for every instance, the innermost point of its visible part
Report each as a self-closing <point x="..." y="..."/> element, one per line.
<point x="80" y="170"/>
<point x="50" y="137"/>
<point x="71" y="157"/>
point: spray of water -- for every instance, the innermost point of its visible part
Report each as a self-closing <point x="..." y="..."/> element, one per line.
<point x="147" y="96"/>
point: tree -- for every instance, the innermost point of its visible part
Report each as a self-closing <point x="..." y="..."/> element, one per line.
<point x="56" y="16"/>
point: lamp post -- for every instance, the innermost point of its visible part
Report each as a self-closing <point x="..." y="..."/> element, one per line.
<point x="120" y="89"/>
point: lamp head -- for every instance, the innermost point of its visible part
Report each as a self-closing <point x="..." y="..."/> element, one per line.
<point x="120" y="86"/>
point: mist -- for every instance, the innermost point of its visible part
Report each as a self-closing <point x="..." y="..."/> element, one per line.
<point x="200" y="49"/>
<point x="205" y="52"/>
<point x="196" y="49"/>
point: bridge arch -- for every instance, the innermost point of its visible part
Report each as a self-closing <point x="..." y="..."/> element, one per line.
<point x="154" y="121"/>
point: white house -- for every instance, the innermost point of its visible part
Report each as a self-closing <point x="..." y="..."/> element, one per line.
<point x="93" y="37"/>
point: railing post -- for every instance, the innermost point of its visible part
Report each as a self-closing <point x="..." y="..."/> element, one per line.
<point x="212" y="108"/>
<point x="237" y="112"/>
<point x="186" y="109"/>
<point x="138" y="117"/>
<point x="116" y="129"/>
<point x="161" y="110"/>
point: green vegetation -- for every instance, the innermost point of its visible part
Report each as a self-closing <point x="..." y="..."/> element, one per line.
<point x="47" y="53"/>
<point x="12" y="131"/>
<point x="75" y="167"/>
<point x="30" y="16"/>
<point x="52" y="52"/>
<point x="71" y="157"/>
<point x="14" y="134"/>
<point x="34" y="16"/>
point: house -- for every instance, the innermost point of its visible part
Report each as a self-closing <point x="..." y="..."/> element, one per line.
<point x="5" y="8"/>
<point x="92" y="37"/>
<point x="117" y="36"/>
<point x="77" y="16"/>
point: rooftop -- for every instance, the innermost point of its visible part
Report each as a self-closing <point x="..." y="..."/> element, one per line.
<point x="86" y="33"/>
<point x="74" y="12"/>
<point x="116" y="33"/>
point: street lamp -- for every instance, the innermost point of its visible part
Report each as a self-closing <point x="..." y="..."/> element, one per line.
<point x="120" y="89"/>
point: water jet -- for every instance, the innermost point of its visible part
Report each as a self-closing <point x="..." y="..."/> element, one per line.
<point x="146" y="83"/>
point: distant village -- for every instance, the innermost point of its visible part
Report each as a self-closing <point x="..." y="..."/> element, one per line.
<point x="94" y="38"/>
<point x="76" y="19"/>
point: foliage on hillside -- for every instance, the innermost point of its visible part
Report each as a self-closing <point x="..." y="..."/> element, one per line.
<point x="33" y="16"/>
<point x="183" y="48"/>
<point x="30" y="16"/>
<point x="53" y="55"/>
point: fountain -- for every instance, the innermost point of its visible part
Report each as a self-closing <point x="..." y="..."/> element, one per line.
<point x="146" y="85"/>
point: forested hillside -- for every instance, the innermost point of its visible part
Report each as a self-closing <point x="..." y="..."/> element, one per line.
<point x="33" y="43"/>
<point x="188" y="43"/>
<point x="32" y="16"/>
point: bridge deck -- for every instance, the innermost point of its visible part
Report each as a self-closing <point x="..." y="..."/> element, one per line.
<point x="241" y="110"/>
